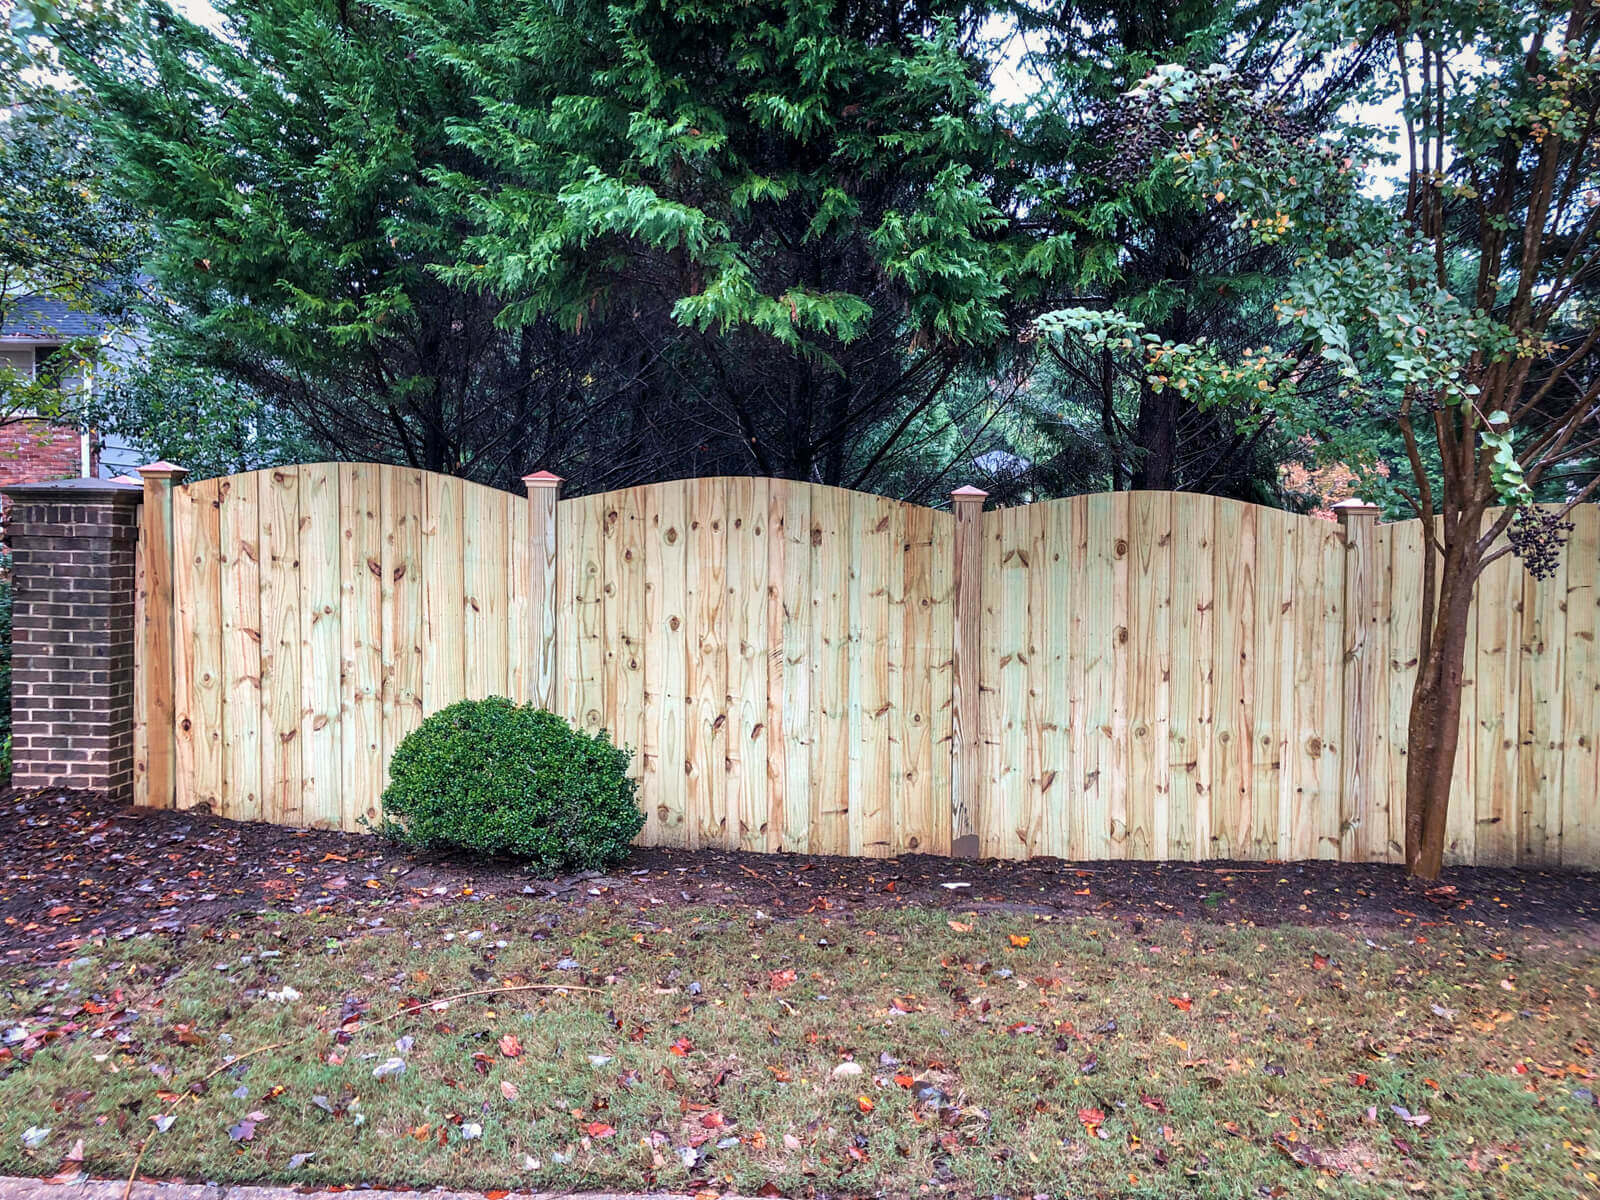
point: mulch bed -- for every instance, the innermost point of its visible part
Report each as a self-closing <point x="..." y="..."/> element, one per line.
<point x="77" y="867"/>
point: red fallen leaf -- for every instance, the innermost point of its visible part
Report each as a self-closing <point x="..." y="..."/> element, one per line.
<point x="1153" y="1103"/>
<point x="768" y="1189"/>
<point x="1080" y="891"/>
<point x="712" y="1120"/>
<point x="1358" y="1079"/>
<point x="865" y="1104"/>
<point x="497" y="1194"/>
<point x="781" y="979"/>
<point x="599" y="1129"/>
<point x="904" y="1081"/>
<point x="510" y="1047"/>
<point x="1182" y="1003"/>
<point x="680" y="1047"/>
<point x="60" y="910"/>
<point x="1318" y="961"/>
<point x="857" y="1153"/>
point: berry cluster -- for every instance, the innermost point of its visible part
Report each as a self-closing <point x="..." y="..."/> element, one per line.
<point x="1144" y="129"/>
<point x="1537" y="537"/>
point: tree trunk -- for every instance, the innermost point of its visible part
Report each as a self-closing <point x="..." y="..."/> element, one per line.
<point x="1156" y="437"/>
<point x="1434" y="727"/>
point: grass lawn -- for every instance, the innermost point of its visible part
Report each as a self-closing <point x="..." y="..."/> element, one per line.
<point x="905" y="1053"/>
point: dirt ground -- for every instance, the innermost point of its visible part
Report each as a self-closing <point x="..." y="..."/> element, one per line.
<point x="78" y="867"/>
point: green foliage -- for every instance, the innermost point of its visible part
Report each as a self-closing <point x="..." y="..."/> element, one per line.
<point x="1121" y="235"/>
<point x="170" y="408"/>
<point x="619" y="240"/>
<point x="495" y="778"/>
<point x="60" y="235"/>
<point x="1413" y="299"/>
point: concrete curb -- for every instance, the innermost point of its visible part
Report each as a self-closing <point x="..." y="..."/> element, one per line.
<point x="14" y="1188"/>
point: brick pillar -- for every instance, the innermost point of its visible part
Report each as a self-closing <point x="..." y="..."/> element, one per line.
<point x="72" y="634"/>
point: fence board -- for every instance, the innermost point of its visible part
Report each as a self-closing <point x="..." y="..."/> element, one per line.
<point x="1377" y="818"/>
<point x="830" y="655"/>
<point x="629" y="610"/>
<point x="1541" y="714"/>
<point x="1051" y="667"/>
<point x="197" y="647"/>
<point x="402" y="600"/>
<point x="483" y="581"/>
<point x="1149" y="673"/>
<point x="706" y="550"/>
<point x="1192" y="668"/>
<point x="1579" y="836"/>
<point x="672" y="630"/>
<point x="239" y="531"/>
<point x="279" y="499"/>
<point x="745" y="701"/>
<point x="795" y="604"/>
<point x="1091" y="601"/>
<point x="443" y="590"/>
<point x="362" y="761"/>
<point x="1499" y="629"/>
<point x="320" y="641"/>
<point x="522" y="670"/>
<point x="1233" y="650"/>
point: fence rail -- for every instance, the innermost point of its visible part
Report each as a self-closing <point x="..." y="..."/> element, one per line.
<point x="1139" y="675"/>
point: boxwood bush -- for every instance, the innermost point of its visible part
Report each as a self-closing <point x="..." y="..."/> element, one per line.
<point x="496" y="778"/>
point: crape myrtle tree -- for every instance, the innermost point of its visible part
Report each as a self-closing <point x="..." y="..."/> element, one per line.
<point x="789" y="215"/>
<point x="1460" y="311"/>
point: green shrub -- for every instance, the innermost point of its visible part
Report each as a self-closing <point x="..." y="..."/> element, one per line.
<point x="497" y="778"/>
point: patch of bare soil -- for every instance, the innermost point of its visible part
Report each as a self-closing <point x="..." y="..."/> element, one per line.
<point x="76" y="866"/>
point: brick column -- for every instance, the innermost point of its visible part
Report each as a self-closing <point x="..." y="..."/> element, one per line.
<point x="72" y="634"/>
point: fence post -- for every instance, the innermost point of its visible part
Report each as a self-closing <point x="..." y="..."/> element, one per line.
<point x="544" y="490"/>
<point x="154" y="765"/>
<point x="966" y="752"/>
<point x="1360" y="678"/>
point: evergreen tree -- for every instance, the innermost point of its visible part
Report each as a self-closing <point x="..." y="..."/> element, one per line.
<point x="791" y="213"/>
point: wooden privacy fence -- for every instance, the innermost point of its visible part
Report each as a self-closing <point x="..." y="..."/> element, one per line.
<point x="1139" y="675"/>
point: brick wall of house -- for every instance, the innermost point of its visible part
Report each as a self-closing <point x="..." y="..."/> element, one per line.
<point x="33" y="450"/>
